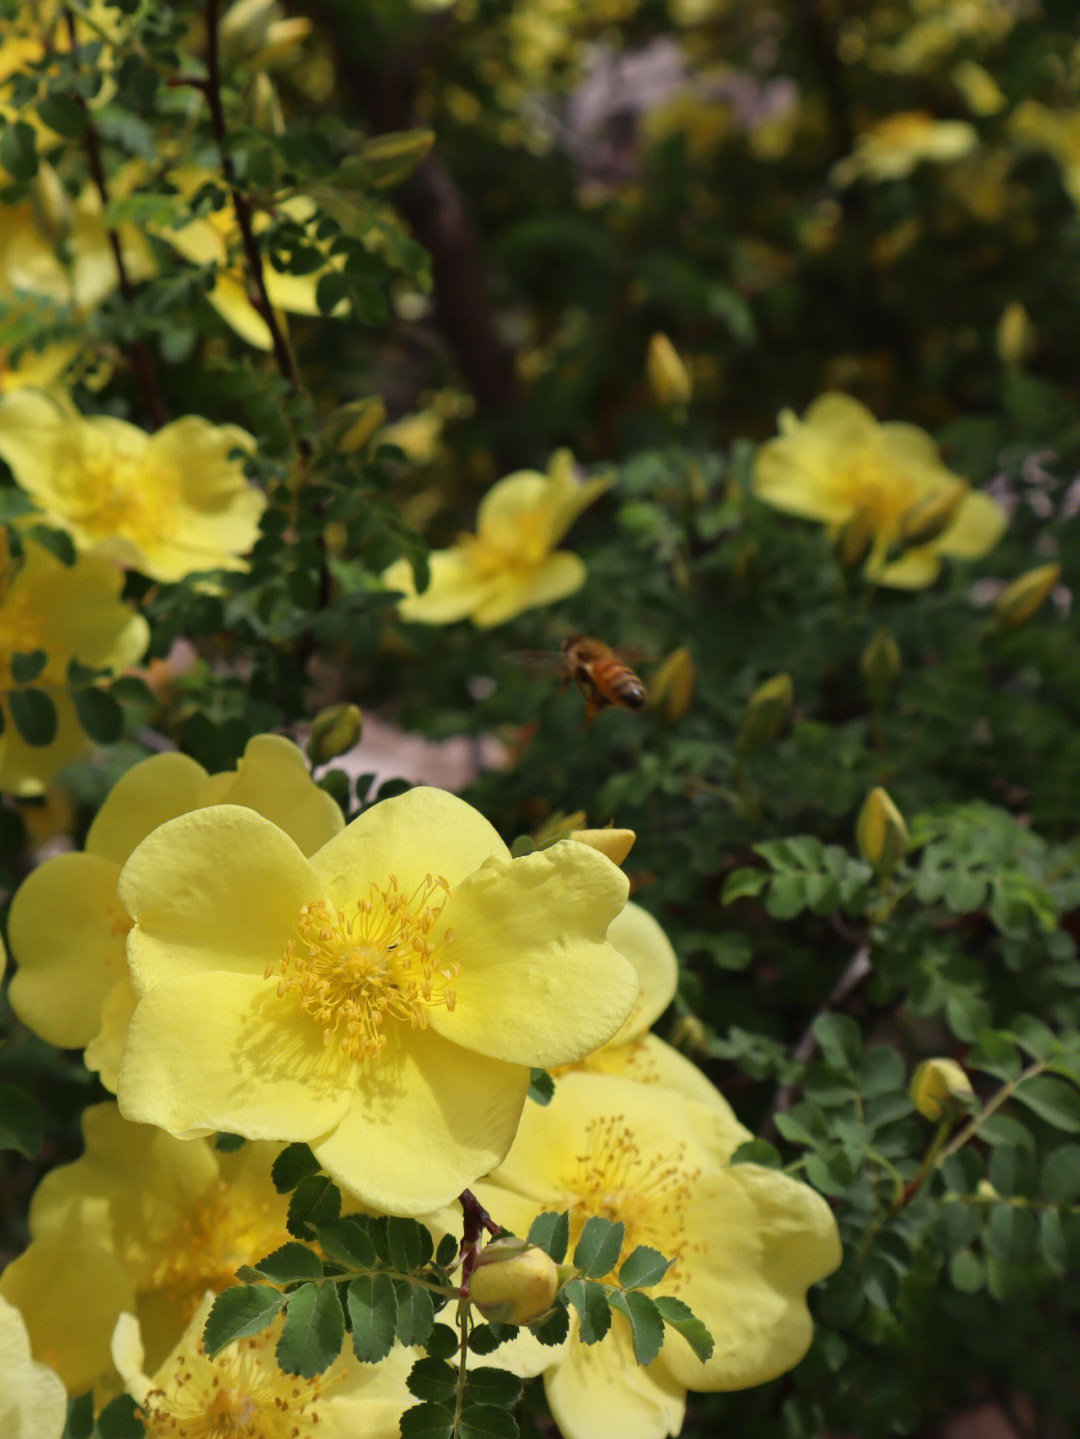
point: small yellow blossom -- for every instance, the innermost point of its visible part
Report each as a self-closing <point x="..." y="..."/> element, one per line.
<point x="747" y="1243"/>
<point x="72" y="612"/>
<point x="67" y="926"/>
<point x="841" y="466"/>
<point x="33" y="1404"/>
<point x="242" y="1393"/>
<point x="382" y="1001"/>
<point x="1057" y="132"/>
<point x="893" y="147"/>
<point x="168" y="504"/>
<point x="511" y="563"/>
<point x="144" y="1222"/>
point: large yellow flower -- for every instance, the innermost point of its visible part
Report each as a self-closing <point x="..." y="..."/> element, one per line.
<point x="382" y="1001"/>
<point x="242" y="1393"/>
<point x="70" y="612"/>
<point x="168" y="504"/>
<point x="747" y="1242"/>
<point x="141" y="1222"/>
<point x="67" y="927"/>
<point x="887" y="481"/>
<point x="511" y="563"/>
<point x="33" y="1404"/>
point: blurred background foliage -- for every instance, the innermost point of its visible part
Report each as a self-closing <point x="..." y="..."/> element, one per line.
<point x="877" y="198"/>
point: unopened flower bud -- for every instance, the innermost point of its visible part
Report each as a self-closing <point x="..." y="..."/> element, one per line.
<point x="514" y="1282"/>
<point x="1015" y="334"/>
<point x="351" y="426"/>
<point x="333" y="732"/>
<point x="930" y="517"/>
<point x="881" y="664"/>
<point x="940" y="1086"/>
<point x="668" y="376"/>
<point x="689" y="1034"/>
<point x="767" y="713"/>
<point x="615" y="843"/>
<point x="853" y="540"/>
<point x="672" y="685"/>
<point x="880" y="832"/>
<point x="1019" y="600"/>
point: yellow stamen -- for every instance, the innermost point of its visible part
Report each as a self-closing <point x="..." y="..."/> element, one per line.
<point x="354" y="971"/>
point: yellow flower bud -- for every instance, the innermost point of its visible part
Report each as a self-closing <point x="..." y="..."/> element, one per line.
<point x="880" y="832"/>
<point x="940" y="1086"/>
<point x="334" y="731"/>
<point x="1015" y="334"/>
<point x="672" y="685"/>
<point x="767" y="712"/>
<point x="615" y="843"/>
<point x="1019" y="600"/>
<point x="881" y="664"/>
<point x="689" y="1034"/>
<point x="668" y="376"/>
<point x="930" y="517"/>
<point x="352" y="425"/>
<point x="514" y="1282"/>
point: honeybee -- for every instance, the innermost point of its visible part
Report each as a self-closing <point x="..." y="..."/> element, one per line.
<point x="601" y="676"/>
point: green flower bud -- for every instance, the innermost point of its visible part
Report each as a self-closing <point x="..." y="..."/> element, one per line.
<point x="880" y="832"/>
<point x="881" y="664"/>
<point x="940" y="1086"/>
<point x="767" y="713"/>
<point x="514" y="1282"/>
<point x="333" y="732"/>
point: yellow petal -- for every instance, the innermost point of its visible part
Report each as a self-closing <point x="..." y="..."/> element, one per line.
<point x="217" y="889"/>
<point x="424" y="1122"/>
<point x="33" y="1404"/>
<point x="220" y="1051"/>
<point x="105" y="1050"/>
<point x="516" y="590"/>
<point x="66" y="930"/>
<point x="150" y="792"/>
<point x="457" y="588"/>
<point x="637" y="935"/>
<point x="979" y="524"/>
<point x="539" y="983"/>
<point x="601" y="1389"/>
<point x="649" y="1060"/>
<point x="273" y="779"/>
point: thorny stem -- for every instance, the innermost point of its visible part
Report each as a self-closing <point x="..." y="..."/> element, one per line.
<point x="142" y="359"/>
<point x="242" y="205"/>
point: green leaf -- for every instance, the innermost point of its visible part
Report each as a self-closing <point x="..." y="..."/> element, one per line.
<point x="597" y="1250"/>
<point x="680" y="1317"/>
<point x="27" y="665"/>
<point x="34" y="714"/>
<point x="1053" y="1245"/>
<point x="18" y="150"/>
<point x="967" y="1272"/>
<point x="120" y="1420"/>
<point x="551" y="1233"/>
<point x="643" y="1266"/>
<point x="442" y="1342"/>
<point x="290" y="1263"/>
<point x="373" y="1314"/>
<point x="840" y="1039"/>
<point x="415" y="1312"/>
<point x="541" y="1087"/>
<point x="295" y="1162"/>
<point x="58" y="542"/>
<point x="226" y="1143"/>
<point x="447" y="1251"/>
<point x="432" y="1379"/>
<point x="487" y="1385"/>
<point x="1059" y="1181"/>
<point x="21" y="1125"/>
<point x="593" y="1307"/>
<point x="646" y="1324"/>
<point x="80" y="1418"/>
<point x="348" y="1242"/>
<point x="314" y="1330"/>
<point x="553" y="1329"/>
<point x="240" y="1311"/>
<point x="484" y="1421"/>
<point x="486" y="1338"/>
<point x="315" y="1201"/>
<point x="428" y="1421"/>
<point x="1055" y="1100"/>
<point x="742" y="883"/>
<point x="409" y="1243"/>
<point x="99" y="714"/>
<point x="757" y="1151"/>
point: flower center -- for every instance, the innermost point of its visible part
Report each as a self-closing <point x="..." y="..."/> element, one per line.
<point x="646" y="1192"/>
<point x="354" y="970"/>
<point x="223" y="1229"/>
<point x="120" y="493"/>
<point x="240" y="1394"/>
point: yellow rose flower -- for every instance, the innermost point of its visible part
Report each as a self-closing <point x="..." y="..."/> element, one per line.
<point x="67" y="926"/>
<point x="72" y="612"/>
<point x="242" y="1392"/>
<point x="382" y="1001"/>
<point x="841" y="466"/>
<point x="141" y="1222"/>
<point x="511" y="563"/>
<point x="893" y="147"/>
<point x="167" y="504"/>
<point x="747" y="1243"/>
<point x="33" y="1404"/>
